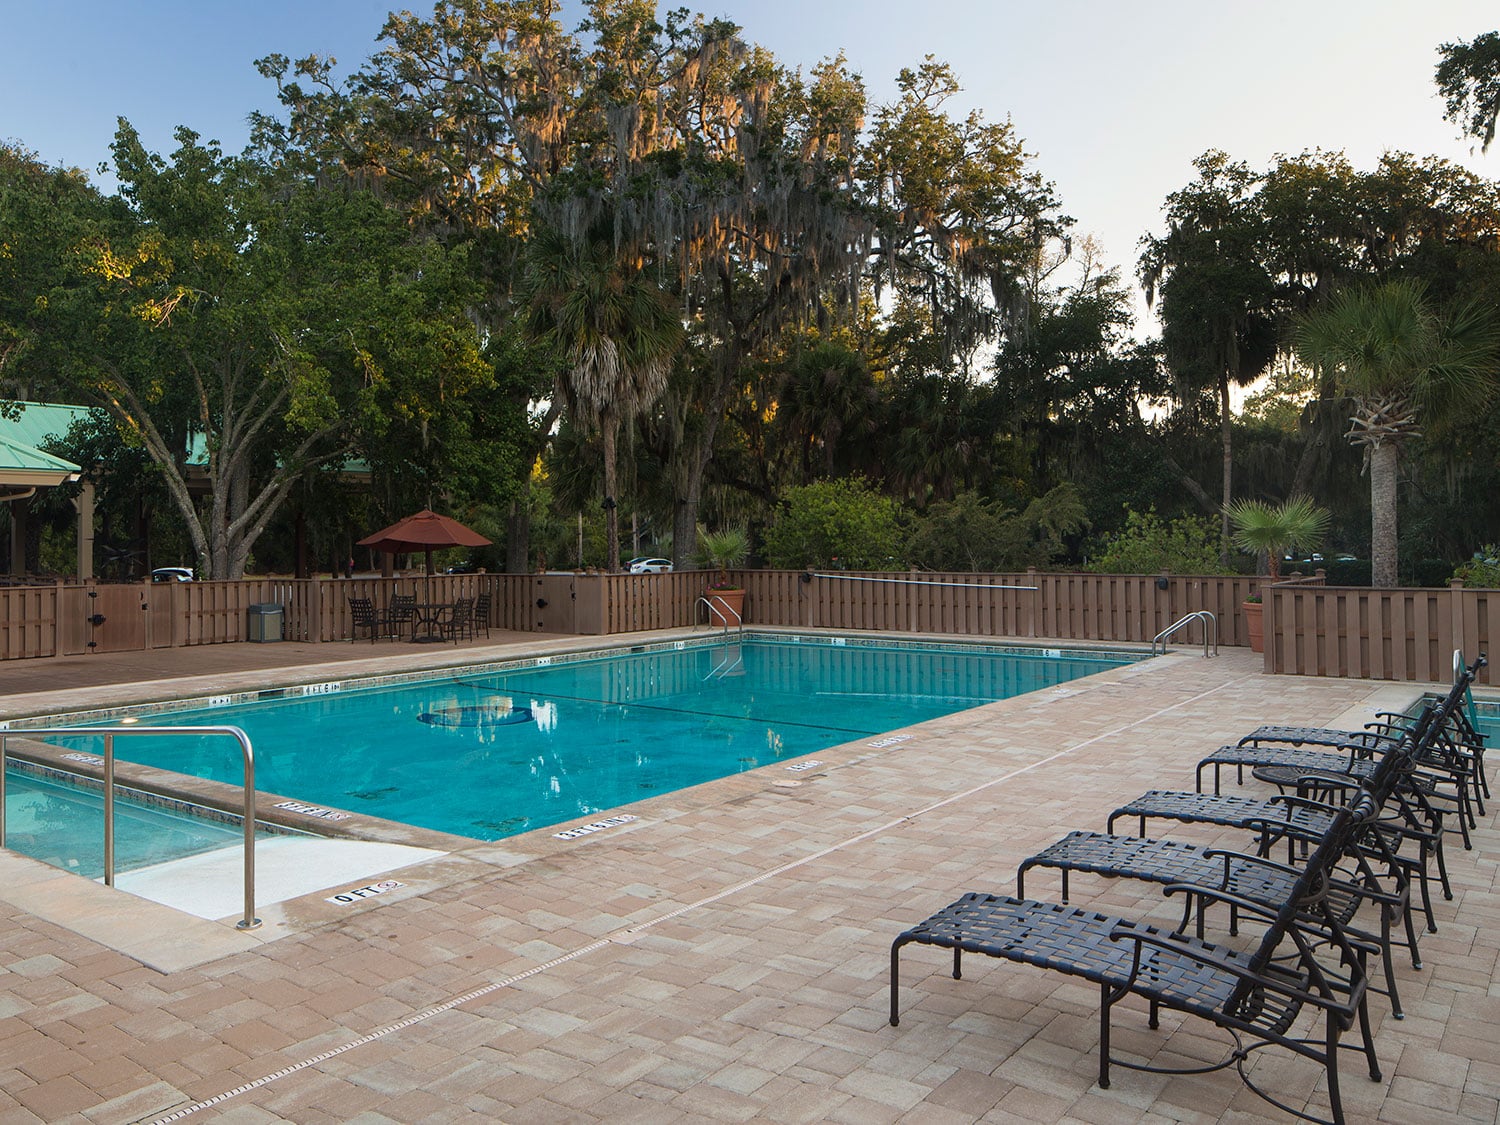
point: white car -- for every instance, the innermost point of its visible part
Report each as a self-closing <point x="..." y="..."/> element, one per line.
<point x="172" y="574"/>
<point x="649" y="566"/>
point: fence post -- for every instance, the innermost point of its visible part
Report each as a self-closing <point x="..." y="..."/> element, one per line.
<point x="1456" y="613"/>
<point x="1036" y="599"/>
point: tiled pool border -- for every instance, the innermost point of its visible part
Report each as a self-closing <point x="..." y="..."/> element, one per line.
<point x="1122" y="656"/>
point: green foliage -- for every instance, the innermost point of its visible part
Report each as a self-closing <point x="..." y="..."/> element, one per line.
<point x="1469" y="80"/>
<point x="974" y="534"/>
<point x="1274" y="529"/>
<point x="1404" y="362"/>
<point x="1482" y="570"/>
<point x="842" y="523"/>
<point x="1147" y="544"/>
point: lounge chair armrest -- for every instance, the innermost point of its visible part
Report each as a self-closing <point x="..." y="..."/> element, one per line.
<point x="1257" y="860"/>
<point x="1204" y="956"/>
<point x="1214" y="894"/>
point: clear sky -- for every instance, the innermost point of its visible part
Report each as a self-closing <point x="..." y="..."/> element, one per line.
<point x="1114" y="99"/>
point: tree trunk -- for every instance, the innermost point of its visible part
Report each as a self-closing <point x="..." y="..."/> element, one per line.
<point x="1226" y="434"/>
<point x="1383" y="464"/>
<point x="609" y="429"/>
<point x="685" y="524"/>
<point x="518" y="536"/>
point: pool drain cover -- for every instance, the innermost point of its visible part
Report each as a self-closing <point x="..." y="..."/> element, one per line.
<point x="477" y="716"/>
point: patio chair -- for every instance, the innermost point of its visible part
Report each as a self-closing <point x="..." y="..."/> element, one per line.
<point x="460" y="620"/>
<point x="1256" y="996"/>
<point x="482" y="614"/>
<point x="362" y="613"/>
<point x="400" y="613"/>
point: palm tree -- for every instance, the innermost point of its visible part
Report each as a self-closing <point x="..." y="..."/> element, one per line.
<point x="1276" y="528"/>
<point x="617" y="334"/>
<point x="1400" y="360"/>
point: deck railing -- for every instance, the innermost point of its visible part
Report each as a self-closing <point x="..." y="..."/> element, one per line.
<point x="1310" y="628"/>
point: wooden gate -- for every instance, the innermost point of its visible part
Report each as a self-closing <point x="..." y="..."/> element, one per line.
<point x="102" y="618"/>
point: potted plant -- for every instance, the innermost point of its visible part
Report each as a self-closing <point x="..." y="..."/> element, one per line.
<point x="721" y="550"/>
<point x="1272" y="530"/>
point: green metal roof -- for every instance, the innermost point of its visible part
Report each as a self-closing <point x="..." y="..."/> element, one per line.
<point x="19" y="439"/>
<point x="40" y="421"/>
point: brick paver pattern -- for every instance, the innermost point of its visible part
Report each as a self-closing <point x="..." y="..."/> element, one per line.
<point x="725" y="956"/>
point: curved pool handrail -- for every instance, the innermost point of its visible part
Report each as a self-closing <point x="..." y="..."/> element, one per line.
<point x="1210" y="629"/>
<point x="721" y="611"/>
<point x="247" y="752"/>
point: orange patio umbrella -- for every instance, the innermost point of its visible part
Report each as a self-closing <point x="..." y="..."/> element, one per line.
<point x="426" y="531"/>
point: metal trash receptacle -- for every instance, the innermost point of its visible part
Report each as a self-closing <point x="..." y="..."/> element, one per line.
<point x="265" y="622"/>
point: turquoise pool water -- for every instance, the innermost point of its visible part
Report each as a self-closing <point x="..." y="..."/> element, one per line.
<point x="63" y="825"/>
<point x="492" y="753"/>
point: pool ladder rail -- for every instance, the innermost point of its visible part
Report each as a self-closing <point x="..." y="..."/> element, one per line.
<point x="1210" y="631"/>
<point x="721" y="612"/>
<point x="247" y="752"/>
<point x="729" y="662"/>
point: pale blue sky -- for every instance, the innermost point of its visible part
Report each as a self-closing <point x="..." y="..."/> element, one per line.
<point x="1114" y="99"/>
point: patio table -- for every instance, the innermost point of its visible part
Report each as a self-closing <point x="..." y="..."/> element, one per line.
<point x="428" y="620"/>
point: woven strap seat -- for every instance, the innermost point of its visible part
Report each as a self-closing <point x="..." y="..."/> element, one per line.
<point x="1172" y="861"/>
<point x="1226" y="810"/>
<point x="1191" y="976"/>
<point x="1310" y="761"/>
<point x="1323" y="736"/>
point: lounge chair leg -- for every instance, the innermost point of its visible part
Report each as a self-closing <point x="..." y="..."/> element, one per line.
<point x="1386" y="960"/>
<point x="1369" y="1038"/>
<point x="1411" y="936"/>
<point x="1442" y="862"/>
<point x="1331" y="1065"/>
<point x="1422" y="885"/>
<point x="1104" y="1005"/>
<point x="957" y="963"/>
<point x="895" y="982"/>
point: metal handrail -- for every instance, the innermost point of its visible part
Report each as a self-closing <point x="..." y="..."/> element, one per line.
<point x="727" y="662"/>
<point x="721" y="614"/>
<point x="249" y="921"/>
<point x="1211" y="629"/>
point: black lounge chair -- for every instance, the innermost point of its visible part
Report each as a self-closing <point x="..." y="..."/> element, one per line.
<point x="1256" y="995"/>
<point x="1460" y="759"/>
<point x="1411" y="820"/>
<point x="1246" y="876"/>
<point x="482" y="614"/>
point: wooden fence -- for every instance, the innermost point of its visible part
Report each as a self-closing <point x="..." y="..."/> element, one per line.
<point x="1310" y="629"/>
<point x="1360" y="633"/>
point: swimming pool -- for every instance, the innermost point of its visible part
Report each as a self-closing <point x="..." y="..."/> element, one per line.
<point x="496" y="750"/>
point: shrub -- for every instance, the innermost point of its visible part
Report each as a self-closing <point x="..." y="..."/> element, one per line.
<point x="970" y="533"/>
<point x="1482" y="570"/>
<point x="835" y="522"/>
<point x="1147" y="544"/>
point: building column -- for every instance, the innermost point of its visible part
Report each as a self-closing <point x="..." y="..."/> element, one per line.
<point x="18" y="535"/>
<point x="84" y="503"/>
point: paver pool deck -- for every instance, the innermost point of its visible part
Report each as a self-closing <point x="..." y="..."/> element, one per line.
<point x="724" y="957"/>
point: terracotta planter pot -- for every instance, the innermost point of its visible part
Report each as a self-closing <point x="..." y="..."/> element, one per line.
<point x="1254" y="625"/>
<point x="729" y="603"/>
